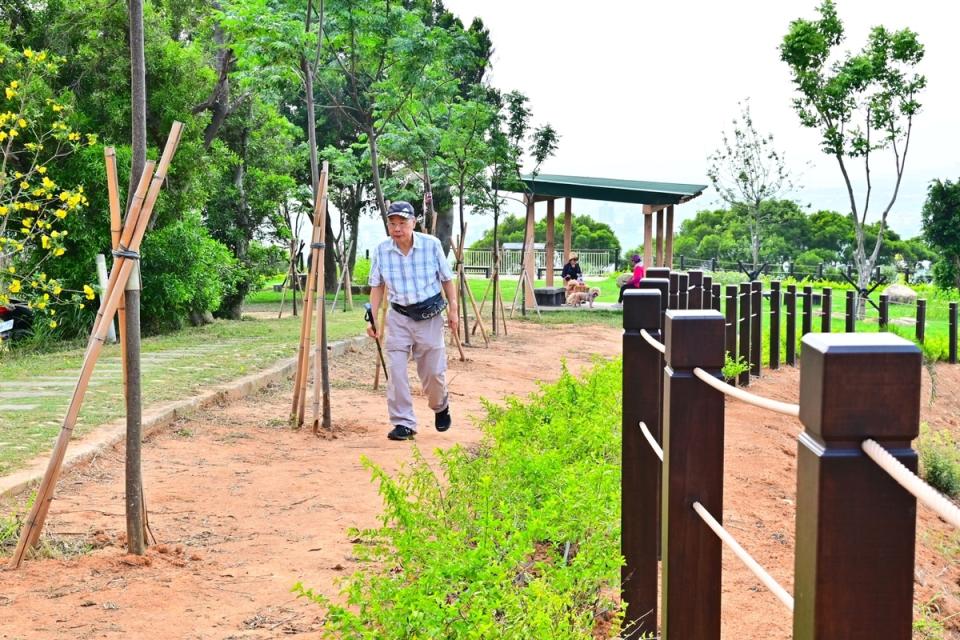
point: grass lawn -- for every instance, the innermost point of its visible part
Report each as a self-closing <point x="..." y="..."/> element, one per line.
<point x="175" y="366"/>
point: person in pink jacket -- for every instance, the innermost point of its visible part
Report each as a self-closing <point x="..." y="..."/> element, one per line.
<point x="638" y="272"/>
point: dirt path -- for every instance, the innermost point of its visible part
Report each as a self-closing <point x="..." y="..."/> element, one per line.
<point x="245" y="508"/>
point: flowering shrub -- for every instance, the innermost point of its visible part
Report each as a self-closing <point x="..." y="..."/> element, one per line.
<point x="35" y="132"/>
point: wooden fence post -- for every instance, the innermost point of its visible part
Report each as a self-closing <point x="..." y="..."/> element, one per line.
<point x="756" y="326"/>
<point x="953" y="333"/>
<point x="706" y="301"/>
<point x="884" y="311"/>
<point x="744" y="338"/>
<point x="716" y="297"/>
<point x="826" y="310"/>
<point x="674" y="299"/>
<point x="640" y="468"/>
<point x="683" y="291"/>
<point x="850" y="317"/>
<point x="921" y="319"/>
<point x="692" y="471"/>
<point x="774" y="324"/>
<point x="730" y="311"/>
<point x="855" y="525"/>
<point x="695" y="291"/>
<point x="807" y="320"/>
<point x="791" y="337"/>
<point x="658" y="272"/>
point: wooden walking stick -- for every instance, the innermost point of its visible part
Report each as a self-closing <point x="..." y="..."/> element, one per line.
<point x="320" y="356"/>
<point x="130" y="239"/>
<point x="382" y="312"/>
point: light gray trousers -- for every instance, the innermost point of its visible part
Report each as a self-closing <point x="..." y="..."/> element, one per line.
<point x="424" y="339"/>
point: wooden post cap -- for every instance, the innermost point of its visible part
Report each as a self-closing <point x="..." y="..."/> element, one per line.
<point x="859" y="385"/>
<point x="685" y="333"/>
<point x="660" y="284"/>
<point x="641" y="309"/>
<point x="658" y="272"/>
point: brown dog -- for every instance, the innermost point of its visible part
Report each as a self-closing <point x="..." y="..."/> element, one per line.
<point x="577" y="298"/>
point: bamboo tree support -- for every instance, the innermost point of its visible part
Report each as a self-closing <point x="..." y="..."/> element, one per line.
<point x="524" y="279"/>
<point x="466" y="287"/>
<point x="503" y="312"/>
<point x="319" y="225"/>
<point x="483" y="302"/>
<point x="130" y="239"/>
<point x="321" y="380"/>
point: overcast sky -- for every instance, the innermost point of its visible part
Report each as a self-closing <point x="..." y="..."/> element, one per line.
<point x="643" y="90"/>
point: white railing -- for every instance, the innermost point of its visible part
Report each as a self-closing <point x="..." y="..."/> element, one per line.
<point x="593" y="263"/>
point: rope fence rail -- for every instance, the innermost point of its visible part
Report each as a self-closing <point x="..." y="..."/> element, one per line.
<point x="785" y="408"/>
<point x="744" y="557"/>
<point x="651" y="441"/>
<point x="653" y="342"/>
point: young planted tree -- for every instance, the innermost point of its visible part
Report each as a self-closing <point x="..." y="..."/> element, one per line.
<point x="746" y="170"/>
<point x="861" y="104"/>
<point x="941" y="228"/>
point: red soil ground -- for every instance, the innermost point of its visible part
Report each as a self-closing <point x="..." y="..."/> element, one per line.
<point x="244" y="508"/>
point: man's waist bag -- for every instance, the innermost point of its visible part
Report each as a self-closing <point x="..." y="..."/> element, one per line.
<point x="423" y="310"/>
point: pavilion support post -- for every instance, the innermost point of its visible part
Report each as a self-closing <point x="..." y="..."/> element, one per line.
<point x="659" y="262"/>
<point x="548" y="261"/>
<point x="647" y="234"/>
<point x="668" y="239"/>
<point x="567" y="228"/>
<point x="528" y="253"/>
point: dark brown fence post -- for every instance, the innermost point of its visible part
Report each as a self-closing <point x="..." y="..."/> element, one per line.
<point x="756" y="326"/>
<point x="921" y="319"/>
<point x="640" y="467"/>
<point x="692" y="472"/>
<point x="851" y="312"/>
<point x="730" y="311"/>
<point x="674" y="300"/>
<point x="716" y="297"/>
<point x="884" y="311"/>
<point x="695" y="292"/>
<point x="807" y="320"/>
<point x="855" y="525"/>
<point x="791" y="337"/>
<point x="706" y="301"/>
<point x="658" y="272"/>
<point x="953" y="333"/>
<point x="683" y="291"/>
<point x="774" y="324"/>
<point x="826" y="310"/>
<point x="744" y="338"/>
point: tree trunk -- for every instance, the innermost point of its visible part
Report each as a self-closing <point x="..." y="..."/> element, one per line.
<point x="138" y="94"/>
<point x="375" y="172"/>
<point x="463" y="278"/>
<point x="495" y="256"/>
<point x="219" y="102"/>
<point x="445" y="228"/>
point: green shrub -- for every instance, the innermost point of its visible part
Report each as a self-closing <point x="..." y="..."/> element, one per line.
<point x="185" y="271"/>
<point x="518" y="539"/>
<point x="940" y="460"/>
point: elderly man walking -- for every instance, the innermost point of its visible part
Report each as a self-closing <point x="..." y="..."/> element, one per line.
<point x="413" y="268"/>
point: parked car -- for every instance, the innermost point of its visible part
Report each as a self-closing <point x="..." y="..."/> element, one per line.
<point x="16" y="318"/>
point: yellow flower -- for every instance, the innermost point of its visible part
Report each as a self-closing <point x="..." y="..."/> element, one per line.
<point x="24" y="185"/>
<point x="41" y="56"/>
<point x="59" y="251"/>
<point x="22" y="123"/>
<point x="57" y="108"/>
<point x="41" y="170"/>
<point x="14" y="133"/>
<point x="45" y="241"/>
<point x="14" y="286"/>
<point x="47" y="182"/>
<point x="82" y="305"/>
<point x="91" y="139"/>
<point x="11" y="94"/>
<point x="15" y="84"/>
<point x="28" y="53"/>
<point x="53" y="324"/>
<point x="41" y="305"/>
<point x="60" y="213"/>
<point x="3" y="136"/>
<point x="73" y="136"/>
<point x="88" y="291"/>
<point x="11" y="270"/>
<point x="3" y="210"/>
<point x="57" y="290"/>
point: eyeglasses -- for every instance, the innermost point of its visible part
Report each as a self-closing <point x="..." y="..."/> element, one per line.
<point x="397" y="225"/>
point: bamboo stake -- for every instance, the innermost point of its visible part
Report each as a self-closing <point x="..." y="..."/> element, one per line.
<point x="466" y="286"/>
<point x="320" y="252"/>
<point x="503" y="312"/>
<point x="137" y="223"/>
<point x="303" y="363"/>
<point x="483" y="303"/>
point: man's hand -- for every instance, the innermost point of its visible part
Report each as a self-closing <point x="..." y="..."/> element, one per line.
<point x="452" y="319"/>
<point x="372" y="332"/>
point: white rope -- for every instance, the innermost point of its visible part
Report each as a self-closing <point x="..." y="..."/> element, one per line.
<point x="909" y="481"/>
<point x="745" y="557"/>
<point x="653" y="443"/>
<point x="653" y="342"/>
<point x="785" y="408"/>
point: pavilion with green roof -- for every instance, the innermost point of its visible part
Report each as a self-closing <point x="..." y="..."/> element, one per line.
<point x="656" y="197"/>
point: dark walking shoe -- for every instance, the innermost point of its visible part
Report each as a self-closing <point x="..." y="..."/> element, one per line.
<point x="441" y="420"/>
<point x="401" y="433"/>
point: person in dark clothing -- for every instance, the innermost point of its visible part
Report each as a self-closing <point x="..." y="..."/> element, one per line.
<point x="638" y="272"/>
<point x="572" y="270"/>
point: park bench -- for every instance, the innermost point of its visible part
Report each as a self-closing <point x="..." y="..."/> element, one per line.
<point x="542" y="270"/>
<point x="550" y="296"/>
<point x="477" y="268"/>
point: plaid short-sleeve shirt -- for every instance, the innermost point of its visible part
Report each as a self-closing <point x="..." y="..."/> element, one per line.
<point x="410" y="278"/>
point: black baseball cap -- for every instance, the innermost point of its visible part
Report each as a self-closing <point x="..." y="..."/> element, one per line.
<point x="401" y="208"/>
